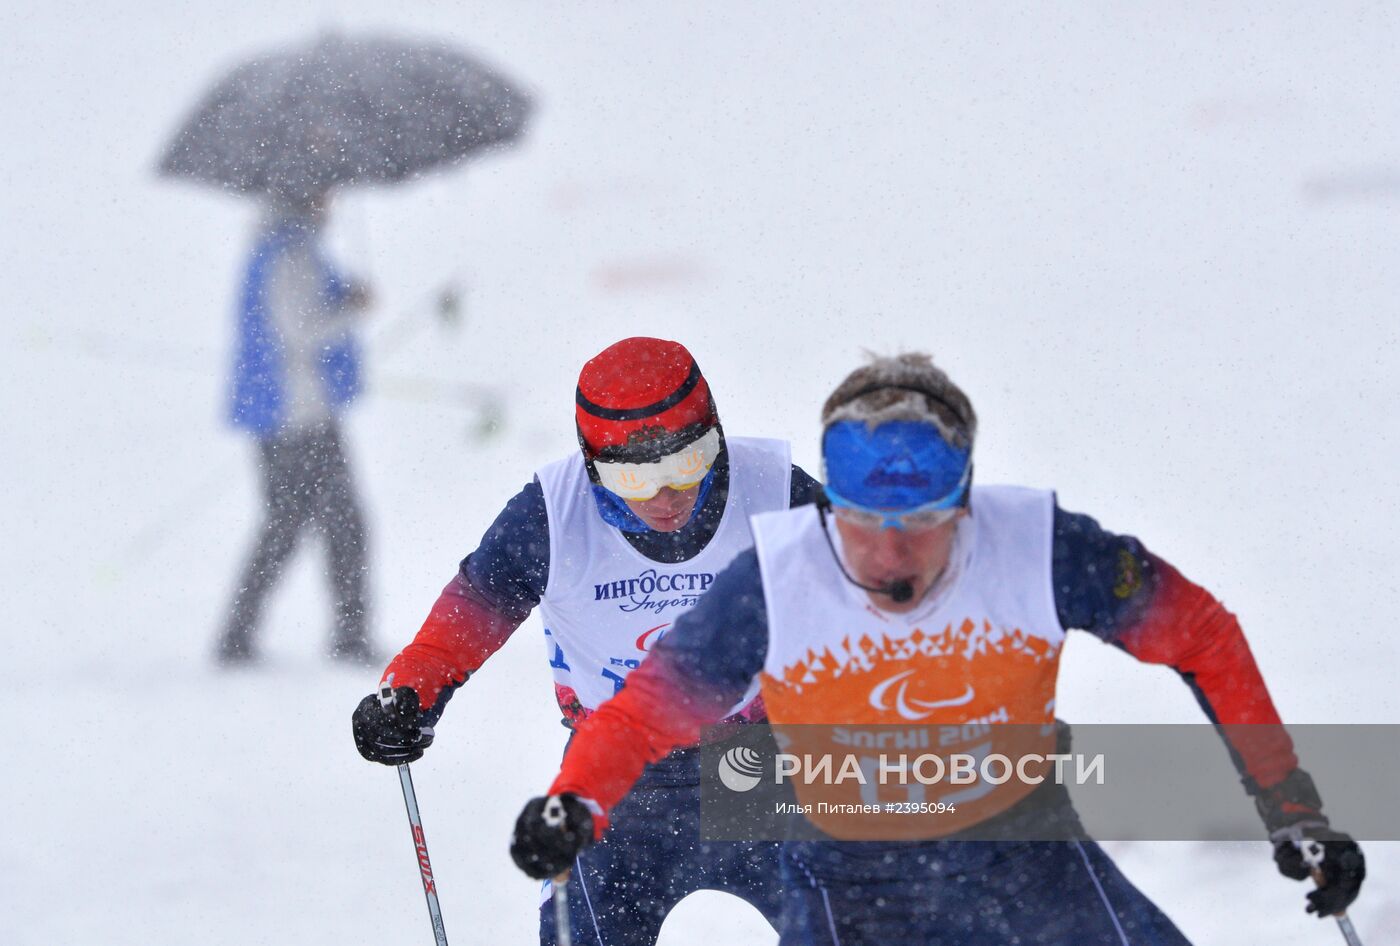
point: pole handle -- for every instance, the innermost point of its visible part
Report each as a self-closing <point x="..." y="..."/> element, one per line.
<point x="555" y="817"/>
<point x="1313" y="854"/>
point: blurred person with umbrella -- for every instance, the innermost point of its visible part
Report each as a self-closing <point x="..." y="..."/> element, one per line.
<point x="289" y="128"/>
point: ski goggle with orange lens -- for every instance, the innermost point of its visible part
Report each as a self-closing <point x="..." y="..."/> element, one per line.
<point x="919" y="519"/>
<point x="681" y="470"/>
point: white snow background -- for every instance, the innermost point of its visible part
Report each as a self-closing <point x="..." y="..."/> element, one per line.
<point x="1156" y="244"/>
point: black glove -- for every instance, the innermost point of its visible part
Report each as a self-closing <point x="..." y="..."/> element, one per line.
<point x="1304" y="843"/>
<point x="1303" y="848"/>
<point x="387" y="728"/>
<point x="549" y="834"/>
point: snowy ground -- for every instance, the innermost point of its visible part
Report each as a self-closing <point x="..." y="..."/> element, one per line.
<point x="1157" y="248"/>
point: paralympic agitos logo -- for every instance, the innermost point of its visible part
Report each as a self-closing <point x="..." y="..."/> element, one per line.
<point x="653" y="592"/>
<point x="907" y="706"/>
<point x="651" y="637"/>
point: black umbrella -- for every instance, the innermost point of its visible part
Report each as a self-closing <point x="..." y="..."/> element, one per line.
<point x="344" y="111"/>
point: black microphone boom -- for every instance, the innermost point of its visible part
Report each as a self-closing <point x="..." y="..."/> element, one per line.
<point x="900" y="590"/>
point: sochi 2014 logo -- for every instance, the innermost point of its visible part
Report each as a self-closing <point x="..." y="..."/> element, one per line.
<point x="741" y="769"/>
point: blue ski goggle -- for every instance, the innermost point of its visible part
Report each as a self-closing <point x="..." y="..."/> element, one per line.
<point x="901" y="475"/>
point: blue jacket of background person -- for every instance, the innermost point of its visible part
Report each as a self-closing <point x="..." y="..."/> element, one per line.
<point x="258" y="402"/>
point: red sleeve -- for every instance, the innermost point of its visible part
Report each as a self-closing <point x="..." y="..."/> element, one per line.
<point x="460" y="633"/>
<point x="1186" y="628"/>
<point x="640" y="725"/>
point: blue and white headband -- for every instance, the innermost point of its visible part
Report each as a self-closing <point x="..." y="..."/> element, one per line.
<point x="900" y="464"/>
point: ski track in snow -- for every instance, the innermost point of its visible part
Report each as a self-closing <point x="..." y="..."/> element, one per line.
<point x="1107" y="228"/>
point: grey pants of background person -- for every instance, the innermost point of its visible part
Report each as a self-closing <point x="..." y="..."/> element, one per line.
<point x="306" y="483"/>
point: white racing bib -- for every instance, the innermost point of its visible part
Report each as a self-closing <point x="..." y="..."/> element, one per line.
<point x="987" y="650"/>
<point x="606" y="605"/>
<point x="983" y="652"/>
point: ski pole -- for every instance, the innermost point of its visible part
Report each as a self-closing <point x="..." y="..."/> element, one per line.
<point x="420" y="844"/>
<point x="1312" y="856"/>
<point x="563" y="935"/>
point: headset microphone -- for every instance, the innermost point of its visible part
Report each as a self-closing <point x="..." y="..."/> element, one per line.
<point x="900" y="590"/>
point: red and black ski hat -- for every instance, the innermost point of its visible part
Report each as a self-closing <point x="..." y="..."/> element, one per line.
<point x="641" y="399"/>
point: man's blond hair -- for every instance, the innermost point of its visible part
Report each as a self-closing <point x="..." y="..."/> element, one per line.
<point x="907" y="386"/>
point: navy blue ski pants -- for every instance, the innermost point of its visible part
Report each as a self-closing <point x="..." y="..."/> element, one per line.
<point x="651" y="856"/>
<point x="968" y="893"/>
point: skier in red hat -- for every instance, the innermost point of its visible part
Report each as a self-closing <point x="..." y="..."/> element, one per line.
<point x="612" y="544"/>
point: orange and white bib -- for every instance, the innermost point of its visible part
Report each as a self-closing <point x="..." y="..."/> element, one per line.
<point x="985" y="651"/>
